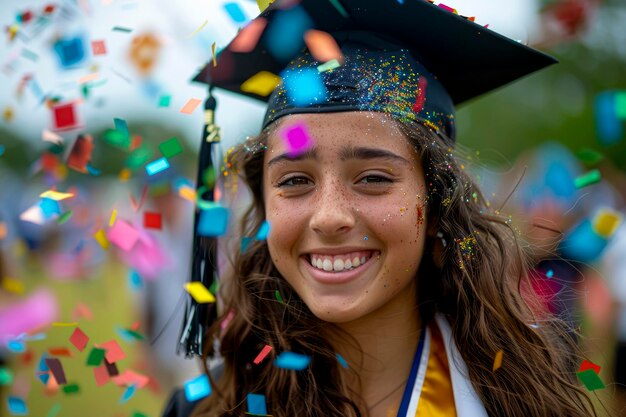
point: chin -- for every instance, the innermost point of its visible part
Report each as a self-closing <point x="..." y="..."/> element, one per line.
<point x="333" y="313"/>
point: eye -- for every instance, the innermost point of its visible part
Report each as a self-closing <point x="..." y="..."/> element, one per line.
<point x="375" y="179"/>
<point x="294" y="181"/>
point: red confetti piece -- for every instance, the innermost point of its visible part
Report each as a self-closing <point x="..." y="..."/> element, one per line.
<point x="152" y="220"/>
<point x="98" y="48"/>
<point x="114" y="351"/>
<point x="264" y="352"/>
<point x="421" y="95"/>
<point x="60" y="351"/>
<point x="589" y="365"/>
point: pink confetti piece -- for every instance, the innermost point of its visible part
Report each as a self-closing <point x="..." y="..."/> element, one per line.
<point x="98" y="47"/>
<point x="123" y="235"/>
<point x="79" y="339"/>
<point x="90" y="77"/>
<point x="264" y="352"/>
<point x="129" y="377"/>
<point x="191" y="106"/>
<point x="246" y="40"/>
<point x="38" y="310"/>
<point x="101" y="375"/>
<point x="297" y="139"/>
<point x="114" y="351"/>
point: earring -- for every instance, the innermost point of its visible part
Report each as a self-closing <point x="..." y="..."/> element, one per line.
<point x="443" y="240"/>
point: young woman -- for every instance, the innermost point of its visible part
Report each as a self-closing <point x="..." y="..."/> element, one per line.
<point x="384" y="265"/>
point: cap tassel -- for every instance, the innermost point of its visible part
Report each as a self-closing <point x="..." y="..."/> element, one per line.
<point x="198" y="317"/>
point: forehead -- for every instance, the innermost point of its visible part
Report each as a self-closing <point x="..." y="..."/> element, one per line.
<point x="330" y="132"/>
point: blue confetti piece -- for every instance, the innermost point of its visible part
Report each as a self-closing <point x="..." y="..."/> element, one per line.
<point x="2" y="148"/>
<point x="263" y="231"/>
<point x="16" y="346"/>
<point x="342" y="361"/>
<point x="197" y="388"/>
<point x="256" y="404"/>
<point x="550" y="273"/>
<point x="245" y="242"/>
<point x="49" y="207"/>
<point x="43" y="366"/>
<point x="304" y="86"/>
<point x="213" y="221"/>
<point x="17" y="406"/>
<point x="365" y="237"/>
<point x="135" y="281"/>
<point x="582" y="243"/>
<point x="121" y="126"/>
<point x="291" y="360"/>
<point x="235" y="12"/>
<point x="125" y="335"/>
<point x="284" y="38"/>
<point x="44" y="378"/>
<point x="36" y="89"/>
<point x="70" y="52"/>
<point x="128" y="394"/>
<point x="608" y="126"/>
<point x="157" y="166"/>
<point x="93" y="171"/>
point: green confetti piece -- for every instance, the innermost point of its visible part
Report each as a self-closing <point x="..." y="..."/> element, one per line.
<point x="138" y="157"/>
<point x="620" y="104"/>
<point x="591" y="380"/>
<point x="117" y="138"/>
<point x="327" y="66"/>
<point x="164" y="100"/>
<point x="279" y="297"/>
<point x="54" y="410"/>
<point x="95" y="357"/>
<point x="589" y="156"/>
<point x="245" y="243"/>
<point x="85" y="90"/>
<point x="138" y="414"/>
<point x="214" y="288"/>
<point x="71" y="388"/>
<point x="135" y="334"/>
<point x="121" y="29"/>
<point x="589" y="178"/>
<point x="6" y="376"/>
<point x="64" y="217"/>
<point x="340" y="8"/>
<point x="170" y="147"/>
<point x="208" y="176"/>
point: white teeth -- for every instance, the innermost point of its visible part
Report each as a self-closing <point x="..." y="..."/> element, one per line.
<point x="356" y="262"/>
<point x="338" y="265"/>
<point x="348" y="264"/>
<point x="363" y="260"/>
<point x="327" y="265"/>
<point x="319" y="263"/>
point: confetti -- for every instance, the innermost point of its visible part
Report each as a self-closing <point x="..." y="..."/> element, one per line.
<point x="71" y="389"/>
<point x="497" y="362"/>
<point x="296" y="138"/>
<point x="123" y="235"/>
<point x="101" y="375"/>
<point x="17" y="406"/>
<point x="170" y="148"/>
<point x="213" y="54"/>
<point x="197" y="388"/>
<point x="606" y="222"/>
<point x="48" y="136"/>
<point x="587" y="179"/>
<point x="80" y="155"/>
<point x="114" y="352"/>
<point x="88" y="78"/>
<point x="191" y="106"/>
<point x="64" y="324"/>
<point x="261" y="84"/>
<point x="95" y="357"/>
<point x="591" y="380"/>
<point x="79" y="339"/>
<point x="304" y="86"/>
<point x="589" y="156"/>
<point x="13" y="285"/>
<point x="418" y="106"/>
<point x="550" y="273"/>
<point x="278" y="297"/>
<point x="263" y="231"/>
<point x="60" y="351"/>
<point x="64" y="217"/>
<point x="6" y="376"/>
<point x="235" y="12"/>
<point x="164" y="100"/>
<point x="64" y="116"/>
<point x="256" y="404"/>
<point x="293" y="361"/>
<point x="129" y="377"/>
<point x="213" y="221"/>
<point x="69" y="51"/>
<point x="55" y="195"/>
<point x="23" y="316"/>
<point x="337" y="5"/>
<point x="609" y="127"/>
<point x="54" y="410"/>
<point x="152" y="220"/>
<point x="247" y="39"/>
<point x="262" y="354"/>
<point x="332" y="64"/>
<point x="98" y="47"/>
<point x="199" y="292"/>
<point x="102" y="240"/>
<point x="128" y="394"/>
<point x="121" y="29"/>
<point x="157" y="166"/>
<point x="589" y="365"/>
<point x="342" y="361"/>
<point x="322" y="46"/>
<point x="54" y="365"/>
<point x="144" y="51"/>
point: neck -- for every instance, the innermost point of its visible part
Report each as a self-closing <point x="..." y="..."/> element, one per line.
<point x="387" y="340"/>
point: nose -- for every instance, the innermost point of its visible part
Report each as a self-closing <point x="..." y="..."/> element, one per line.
<point x="333" y="213"/>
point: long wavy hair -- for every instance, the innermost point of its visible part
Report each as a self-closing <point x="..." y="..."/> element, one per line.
<point x="482" y="274"/>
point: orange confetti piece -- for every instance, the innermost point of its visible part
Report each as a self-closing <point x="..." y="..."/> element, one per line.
<point x="322" y="46"/>
<point x="247" y="39"/>
<point x="60" y="351"/>
<point x="497" y="362"/>
<point x="88" y="78"/>
<point x="191" y="106"/>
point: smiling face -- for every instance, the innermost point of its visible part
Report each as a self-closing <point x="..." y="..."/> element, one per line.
<point x="347" y="216"/>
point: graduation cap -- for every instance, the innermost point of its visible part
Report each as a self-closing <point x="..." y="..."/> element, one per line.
<point x="411" y="59"/>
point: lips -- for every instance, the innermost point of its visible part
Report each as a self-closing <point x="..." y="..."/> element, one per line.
<point x="334" y="276"/>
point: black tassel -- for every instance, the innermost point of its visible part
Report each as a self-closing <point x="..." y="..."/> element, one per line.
<point x="198" y="317"/>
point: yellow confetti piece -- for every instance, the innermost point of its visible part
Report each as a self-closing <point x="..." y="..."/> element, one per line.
<point x="112" y="219"/>
<point x="497" y="362"/>
<point x="195" y="32"/>
<point x="214" y="57"/>
<point x="101" y="238"/>
<point x="125" y="174"/>
<point x="199" y="292"/>
<point x="8" y="114"/>
<point x="187" y="193"/>
<point x="262" y="83"/>
<point x="606" y="222"/>
<point x="264" y="4"/>
<point x="65" y="324"/>
<point x="55" y="195"/>
<point x="13" y="285"/>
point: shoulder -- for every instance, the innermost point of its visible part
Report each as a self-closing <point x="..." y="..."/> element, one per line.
<point x="179" y="406"/>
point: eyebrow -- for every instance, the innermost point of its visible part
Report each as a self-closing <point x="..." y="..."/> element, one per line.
<point x="346" y="153"/>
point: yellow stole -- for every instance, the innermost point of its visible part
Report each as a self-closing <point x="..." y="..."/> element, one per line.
<point x="437" y="398"/>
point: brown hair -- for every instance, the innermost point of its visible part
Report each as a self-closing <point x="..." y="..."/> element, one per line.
<point x="482" y="273"/>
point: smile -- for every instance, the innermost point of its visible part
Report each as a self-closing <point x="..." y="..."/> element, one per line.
<point x="338" y="263"/>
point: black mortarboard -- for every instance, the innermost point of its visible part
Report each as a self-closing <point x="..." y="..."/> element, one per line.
<point x="409" y="58"/>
